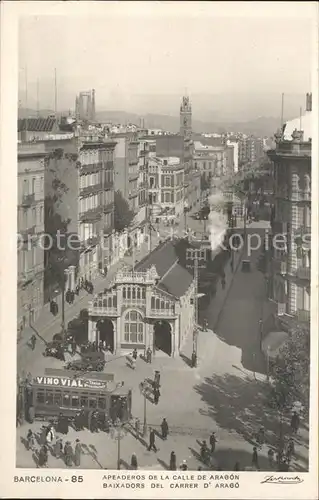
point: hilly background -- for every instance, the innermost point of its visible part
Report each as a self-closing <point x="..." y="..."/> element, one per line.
<point x="250" y="113"/>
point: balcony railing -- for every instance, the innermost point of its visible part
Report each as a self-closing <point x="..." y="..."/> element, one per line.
<point x="161" y="313"/>
<point x="301" y="196"/>
<point x="92" y="241"/>
<point x="91" y="215"/>
<point x="303" y="316"/>
<point x="103" y="311"/>
<point x="108" y="208"/>
<point x="31" y="231"/>
<point x="28" y="200"/>
<point x="303" y="273"/>
<point x="94" y="188"/>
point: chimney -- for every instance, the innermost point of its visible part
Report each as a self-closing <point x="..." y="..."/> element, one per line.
<point x="309" y="102"/>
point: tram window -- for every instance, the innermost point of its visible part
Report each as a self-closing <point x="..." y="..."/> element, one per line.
<point x="66" y="399"/>
<point x="75" y="402"/>
<point x="57" y="399"/>
<point x="92" y="403"/>
<point x="84" y="401"/>
<point x="40" y="396"/>
<point x="101" y="403"/>
<point x="49" y="397"/>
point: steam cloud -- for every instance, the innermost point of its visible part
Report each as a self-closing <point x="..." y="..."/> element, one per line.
<point x="217" y="224"/>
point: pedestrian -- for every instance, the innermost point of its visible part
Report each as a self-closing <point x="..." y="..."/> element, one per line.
<point x="73" y="347"/>
<point x="156" y="394"/>
<point x="30" y="440"/>
<point x="33" y="341"/>
<point x="134" y="354"/>
<point x="104" y="345"/>
<point x="164" y="427"/>
<point x="134" y="464"/>
<point x="105" y="270"/>
<point x="295" y="422"/>
<point x="212" y="442"/>
<point x="137" y="426"/>
<point x="194" y="359"/>
<point x="204" y="451"/>
<point x="290" y="449"/>
<point x="49" y="434"/>
<point x="237" y="466"/>
<point x="184" y="465"/>
<point x="261" y="437"/>
<point x="157" y="378"/>
<point x="152" y="445"/>
<point x="223" y="283"/>
<point x="43" y="456"/>
<point x="68" y="454"/>
<point x="77" y="453"/>
<point x="254" y="459"/>
<point x="58" y="448"/>
<point x="77" y="421"/>
<point x="271" y="454"/>
<point x="90" y="417"/>
<point x="172" y="461"/>
<point x="149" y="355"/>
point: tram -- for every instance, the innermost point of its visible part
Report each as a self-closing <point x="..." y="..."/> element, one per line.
<point x="48" y="396"/>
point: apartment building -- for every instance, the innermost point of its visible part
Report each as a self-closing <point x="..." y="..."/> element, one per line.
<point x="30" y="229"/>
<point x="166" y="186"/>
<point x="95" y="206"/>
<point x="290" y="270"/>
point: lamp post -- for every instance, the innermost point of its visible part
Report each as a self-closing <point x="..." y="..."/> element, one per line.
<point x="120" y="433"/>
<point x="143" y="386"/>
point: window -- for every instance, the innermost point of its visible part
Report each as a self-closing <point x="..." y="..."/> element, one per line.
<point x="101" y="403"/>
<point x="34" y="217"/>
<point x="124" y="292"/>
<point x="49" y="397"/>
<point x="42" y="184"/>
<point x="84" y="401"/>
<point x="41" y="214"/>
<point x="40" y="396"/>
<point x="25" y="187"/>
<point x="209" y="165"/>
<point x="195" y="164"/>
<point x="92" y="402"/>
<point x="34" y="256"/>
<point x="204" y="165"/>
<point x="33" y="185"/>
<point x="134" y="327"/>
<point x="75" y="401"/>
<point x="66" y="399"/>
<point x="57" y="399"/>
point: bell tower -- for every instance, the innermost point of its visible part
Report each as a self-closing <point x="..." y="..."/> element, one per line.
<point x="185" y="128"/>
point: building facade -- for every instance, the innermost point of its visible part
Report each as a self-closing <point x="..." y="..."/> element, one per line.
<point x="30" y="228"/>
<point x="291" y="264"/>
<point x="126" y="167"/>
<point x="151" y="306"/>
<point x="95" y="206"/>
<point x="85" y="106"/>
<point x="166" y="186"/>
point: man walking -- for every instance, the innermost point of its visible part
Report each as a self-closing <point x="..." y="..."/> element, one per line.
<point x="254" y="459"/>
<point x="212" y="442"/>
<point x="164" y="427"/>
<point x="295" y="422"/>
<point x="152" y="441"/>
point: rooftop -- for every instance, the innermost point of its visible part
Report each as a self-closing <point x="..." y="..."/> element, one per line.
<point x="37" y="124"/>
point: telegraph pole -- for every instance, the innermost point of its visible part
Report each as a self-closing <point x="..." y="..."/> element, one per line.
<point x="195" y="334"/>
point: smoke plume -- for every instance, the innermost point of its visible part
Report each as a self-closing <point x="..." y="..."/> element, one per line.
<point x="217" y="224"/>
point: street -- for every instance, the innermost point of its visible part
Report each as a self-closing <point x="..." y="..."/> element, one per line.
<point x="225" y="393"/>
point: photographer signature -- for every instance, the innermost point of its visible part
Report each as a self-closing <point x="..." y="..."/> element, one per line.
<point x="282" y="480"/>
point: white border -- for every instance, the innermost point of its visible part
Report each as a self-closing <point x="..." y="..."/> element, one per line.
<point x="250" y="486"/>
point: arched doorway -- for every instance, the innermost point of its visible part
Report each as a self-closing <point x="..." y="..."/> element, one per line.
<point x="163" y="337"/>
<point x="106" y="332"/>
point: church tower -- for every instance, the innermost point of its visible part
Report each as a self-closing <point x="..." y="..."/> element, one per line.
<point x="186" y="118"/>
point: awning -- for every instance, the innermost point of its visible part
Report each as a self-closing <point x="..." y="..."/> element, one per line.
<point x="273" y="342"/>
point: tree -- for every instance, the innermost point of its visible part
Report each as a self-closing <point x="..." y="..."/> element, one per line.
<point x="290" y="375"/>
<point x="123" y="215"/>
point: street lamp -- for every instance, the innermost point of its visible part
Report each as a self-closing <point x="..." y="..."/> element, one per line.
<point x="120" y="433"/>
<point x="143" y="386"/>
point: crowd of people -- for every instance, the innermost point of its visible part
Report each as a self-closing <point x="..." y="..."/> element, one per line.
<point x="49" y="442"/>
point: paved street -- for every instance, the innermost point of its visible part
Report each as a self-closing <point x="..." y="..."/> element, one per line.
<point x="222" y="394"/>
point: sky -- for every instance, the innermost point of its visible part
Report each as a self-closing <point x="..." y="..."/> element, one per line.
<point x="139" y="63"/>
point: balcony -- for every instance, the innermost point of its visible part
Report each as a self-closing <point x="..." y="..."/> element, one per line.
<point x="107" y="230"/>
<point x="108" y="208"/>
<point x="91" y="215"/>
<point x="133" y="194"/>
<point x="303" y="273"/>
<point x="133" y="176"/>
<point x="95" y="188"/>
<point x="92" y="241"/>
<point x="26" y="233"/>
<point x="26" y="278"/>
<point x="108" y="185"/>
<point x="301" y="196"/>
<point x="302" y="237"/>
<point x="162" y="313"/>
<point x="303" y="316"/>
<point x="28" y="200"/>
<point x="104" y="305"/>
